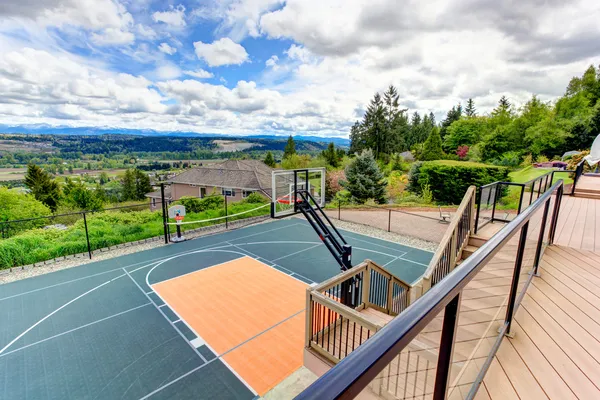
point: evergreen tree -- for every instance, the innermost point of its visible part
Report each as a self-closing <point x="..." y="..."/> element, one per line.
<point x="375" y="126"/>
<point x="330" y="155"/>
<point x="142" y="184"/>
<point x="128" y="186"/>
<point x="364" y="180"/>
<point x="470" y="111"/>
<point x="453" y="115"/>
<point x="42" y="186"/>
<point x="503" y="104"/>
<point x="269" y="160"/>
<point x="290" y="148"/>
<point x="432" y="149"/>
<point x="357" y="139"/>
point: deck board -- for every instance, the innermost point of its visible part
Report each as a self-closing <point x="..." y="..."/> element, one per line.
<point x="556" y="349"/>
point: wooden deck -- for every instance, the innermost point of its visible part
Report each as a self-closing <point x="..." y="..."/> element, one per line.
<point x="555" y="353"/>
<point x="579" y="223"/>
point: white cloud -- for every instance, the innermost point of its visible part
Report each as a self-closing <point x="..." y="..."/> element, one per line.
<point x="167" y="71"/>
<point x="175" y="17"/>
<point x="146" y="32"/>
<point x="221" y="52"/>
<point x="113" y="36"/>
<point x="165" y="48"/>
<point x="199" y="73"/>
<point x="272" y="62"/>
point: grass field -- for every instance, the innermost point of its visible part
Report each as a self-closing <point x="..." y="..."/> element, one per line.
<point x="528" y="173"/>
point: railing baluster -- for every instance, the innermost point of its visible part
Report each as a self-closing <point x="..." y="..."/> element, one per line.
<point x="515" y="280"/>
<point x="449" y="326"/>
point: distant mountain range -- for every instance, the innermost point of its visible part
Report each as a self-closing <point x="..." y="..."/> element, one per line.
<point x="52" y="130"/>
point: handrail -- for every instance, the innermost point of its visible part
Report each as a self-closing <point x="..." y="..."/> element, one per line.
<point x="339" y="278"/>
<point x="359" y="368"/>
<point x="449" y="249"/>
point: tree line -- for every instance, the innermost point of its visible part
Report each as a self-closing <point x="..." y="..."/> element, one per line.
<point x="503" y="136"/>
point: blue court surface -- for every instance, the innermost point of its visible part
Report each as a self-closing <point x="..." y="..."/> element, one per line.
<point x="99" y="331"/>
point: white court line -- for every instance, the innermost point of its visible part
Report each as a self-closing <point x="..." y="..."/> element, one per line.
<point x="149" y="262"/>
<point x="198" y="270"/>
<point x="179" y="320"/>
<point x="219" y="357"/>
<point x="163" y="314"/>
<point x="74" y="329"/>
<point x="257" y="258"/>
<point x="164" y="305"/>
<point x="297" y="252"/>
<point x="57" y="310"/>
<point x="205" y="343"/>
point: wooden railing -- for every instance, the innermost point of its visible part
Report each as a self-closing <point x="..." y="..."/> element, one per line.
<point x="334" y="324"/>
<point x="451" y="246"/>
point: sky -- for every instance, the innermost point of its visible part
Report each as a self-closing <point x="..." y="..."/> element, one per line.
<point x="280" y="67"/>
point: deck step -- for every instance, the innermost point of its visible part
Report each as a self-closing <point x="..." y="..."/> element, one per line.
<point x="583" y="190"/>
<point x="467" y="251"/>
<point x="586" y="195"/>
<point x="477" y="241"/>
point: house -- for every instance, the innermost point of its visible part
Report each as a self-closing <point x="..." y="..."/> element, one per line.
<point x="156" y="198"/>
<point x="235" y="179"/>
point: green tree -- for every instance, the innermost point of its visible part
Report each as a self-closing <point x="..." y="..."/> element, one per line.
<point x="104" y="179"/>
<point x="364" y="179"/>
<point x="128" y="186"/>
<point x="470" y="111"/>
<point x="467" y="131"/>
<point x="42" y="186"/>
<point x="432" y="149"/>
<point x="290" y="148"/>
<point x="70" y="169"/>
<point x="142" y="184"/>
<point x="453" y="115"/>
<point x="81" y="197"/>
<point x="296" y="161"/>
<point x="270" y="160"/>
<point x="330" y="155"/>
<point x="18" y="205"/>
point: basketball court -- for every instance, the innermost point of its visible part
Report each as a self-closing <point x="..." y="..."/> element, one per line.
<point x="221" y="316"/>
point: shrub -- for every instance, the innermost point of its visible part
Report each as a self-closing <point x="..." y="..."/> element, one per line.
<point x="195" y="205"/>
<point x="509" y="159"/>
<point x="364" y="179"/>
<point x="462" y="152"/>
<point x="449" y="180"/>
<point x="333" y="183"/>
<point x="432" y="149"/>
<point x="576" y="159"/>
<point x="255" y="198"/>
<point x="396" y="184"/>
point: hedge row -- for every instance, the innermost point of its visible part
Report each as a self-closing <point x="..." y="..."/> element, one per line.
<point x="449" y="180"/>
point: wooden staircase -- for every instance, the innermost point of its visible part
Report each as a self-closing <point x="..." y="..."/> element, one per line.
<point x="588" y="186"/>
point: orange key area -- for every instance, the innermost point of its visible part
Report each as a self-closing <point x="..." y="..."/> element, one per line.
<point x="248" y="310"/>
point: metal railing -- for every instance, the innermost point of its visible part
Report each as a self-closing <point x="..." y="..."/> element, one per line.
<point x="365" y="368"/>
<point x="334" y="329"/>
<point x="449" y="251"/>
<point x="491" y="196"/>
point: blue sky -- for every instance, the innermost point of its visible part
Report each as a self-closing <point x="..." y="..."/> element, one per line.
<point x="279" y="67"/>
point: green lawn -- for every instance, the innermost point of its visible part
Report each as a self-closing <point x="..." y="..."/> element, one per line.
<point x="528" y="173"/>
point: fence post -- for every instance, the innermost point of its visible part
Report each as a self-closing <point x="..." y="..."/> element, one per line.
<point x="555" y="214"/>
<point x="515" y="280"/>
<point x="442" y="374"/>
<point x="521" y="199"/>
<point x="478" y="208"/>
<point x="538" y="249"/>
<point x="226" y="219"/>
<point x="164" y="211"/>
<point x="87" y="236"/>
<point x="339" y="210"/>
<point x="495" y="201"/>
<point x="389" y="220"/>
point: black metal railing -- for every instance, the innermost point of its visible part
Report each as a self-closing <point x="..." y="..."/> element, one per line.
<point x="496" y="201"/>
<point x="364" y="369"/>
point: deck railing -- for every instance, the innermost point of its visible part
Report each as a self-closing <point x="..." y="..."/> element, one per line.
<point x="335" y="326"/>
<point x="439" y="311"/>
<point x="450" y="249"/>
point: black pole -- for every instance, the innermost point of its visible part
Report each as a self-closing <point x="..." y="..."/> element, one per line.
<point x="538" y="249"/>
<point x="389" y="220"/>
<point x="555" y="214"/>
<point x="87" y="236"/>
<point x="164" y="211"/>
<point x="495" y="200"/>
<point x="516" y="274"/>
<point x="449" y="326"/>
<point x="521" y="199"/>
<point x="226" y="222"/>
<point x="478" y="208"/>
<point x="339" y="210"/>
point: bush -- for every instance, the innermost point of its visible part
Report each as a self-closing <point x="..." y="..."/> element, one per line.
<point x="333" y="183"/>
<point x="255" y="198"/>
<point x="509" y="159"/>
<point x="449" y="180"/>
<point x="196" y="205"/>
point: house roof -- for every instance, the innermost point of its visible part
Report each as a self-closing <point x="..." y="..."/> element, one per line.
<point x="157" y="194"/>
<point x="239" y="174"/>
